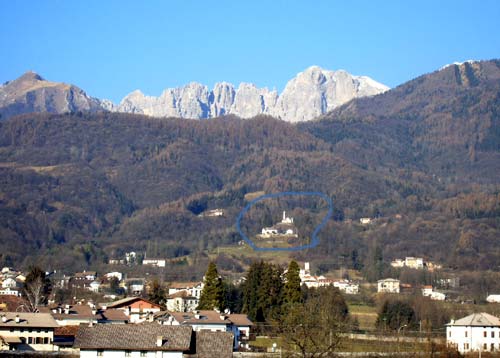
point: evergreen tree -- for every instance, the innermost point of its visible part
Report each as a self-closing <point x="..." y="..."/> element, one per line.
<point x="212" y="295"/>
<point x="292" y="292"/>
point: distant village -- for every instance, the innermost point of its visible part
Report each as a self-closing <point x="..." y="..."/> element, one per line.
<point x="126" y="323"/>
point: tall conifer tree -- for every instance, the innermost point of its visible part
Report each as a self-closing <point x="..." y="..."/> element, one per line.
<point x="212" y="295"/>
<point x="292" y="292"/>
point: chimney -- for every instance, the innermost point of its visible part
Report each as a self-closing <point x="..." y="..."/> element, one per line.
<point x="17" y="318"/>
<point x="159" y="341"/>
<point x="4" y="318"/>
<point x="222" y="317"/>
<point x="94" y="312"/>
<point x="284" y="215"/>
<point x="66" y="311"/>
<point x="151" y="317"/>
<point x="306" y="266"/>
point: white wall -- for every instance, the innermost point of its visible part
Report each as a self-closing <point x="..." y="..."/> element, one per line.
<point x="461" y="336"/>
<point x="133" y="354"/>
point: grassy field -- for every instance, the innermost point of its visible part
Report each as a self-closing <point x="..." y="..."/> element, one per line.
<point x="366" y="316"/>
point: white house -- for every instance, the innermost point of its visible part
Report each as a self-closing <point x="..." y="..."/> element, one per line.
<point x="182" y="302"/>
<point x="154" y="262"/>
<point x="476" y="332"/>
<point x="493" y="299"/>
<point x="365" y="221"/>
<point x="9" y="283"/>
<point x="428" y="291"/>
<point x="388" y="285"/>
<point x="192" y="288"/>
<point x="27" y="331"/>
<point x="94" y="286"/>
<point x="117" y="275"/>
<point x="347" y="287"/>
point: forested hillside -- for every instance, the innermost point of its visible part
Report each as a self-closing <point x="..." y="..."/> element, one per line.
<point x="422" y="159"/>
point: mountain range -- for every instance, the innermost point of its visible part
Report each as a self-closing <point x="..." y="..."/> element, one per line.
<point x="421" y="159"/>
<point x="310" y="94"/>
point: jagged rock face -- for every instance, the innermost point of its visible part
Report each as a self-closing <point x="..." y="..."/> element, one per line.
<point x="31" y="93"/>
<point x="221" y="99"/>
<point x="317" y="91"/>
<point x="251" y="101"/>
<point x="309" y="95"/>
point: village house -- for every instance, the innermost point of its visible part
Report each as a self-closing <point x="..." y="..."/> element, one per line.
<point x="137" y="309"/>
<point x="151" y="340"/>
<point x="154" y="262"/>
<point x="192" y="288"/>
<point x="134" y="286"/>
<point x="27" y="331"/>
<point x="117" y="275"/>
<point x="476" y="332"/>
<point x="207" y="320"/>
<point x="388" y="285"/>
<point x="493" y="299"/>
<point x="182" y="302"/>
<point x="74" y="315"/>
<point x="428" y="291"/>
<point x="417" y="263"/>
<point x="311" y="281"/>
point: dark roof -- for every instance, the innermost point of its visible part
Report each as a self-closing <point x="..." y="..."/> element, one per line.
<point x="205" y="317"/>
<point x="67" y="331"/>
<point x="134" y="337"/>
<point x="114" y="315"/>
<point x="240" y="319"/>
<point x="214" y="344"/>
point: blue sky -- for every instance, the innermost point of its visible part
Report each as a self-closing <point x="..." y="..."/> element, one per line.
<point x="110" y="48"/>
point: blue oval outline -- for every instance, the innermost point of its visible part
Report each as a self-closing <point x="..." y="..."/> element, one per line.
<point x="314" y="240"/>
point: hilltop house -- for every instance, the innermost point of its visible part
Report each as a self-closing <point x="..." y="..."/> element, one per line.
<point x="476" y="332"/>
<point x="284" y="228"/>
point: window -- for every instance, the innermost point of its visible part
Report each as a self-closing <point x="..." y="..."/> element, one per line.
<point x="466" y="346"/>
<point x="100" y="352"/>
<point x="144" y="354"/>
<point x="485" y="334"/>
<point x="492" y="334"/>
<point x="485" y="346"/>
<point x="465" y="334"/>
<point x="449" y="334"/>
<point x="46" y="340"/>
<point x="492" y="347"/>
<point x="128" y="354"/>
<point x="30" y="340"/>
